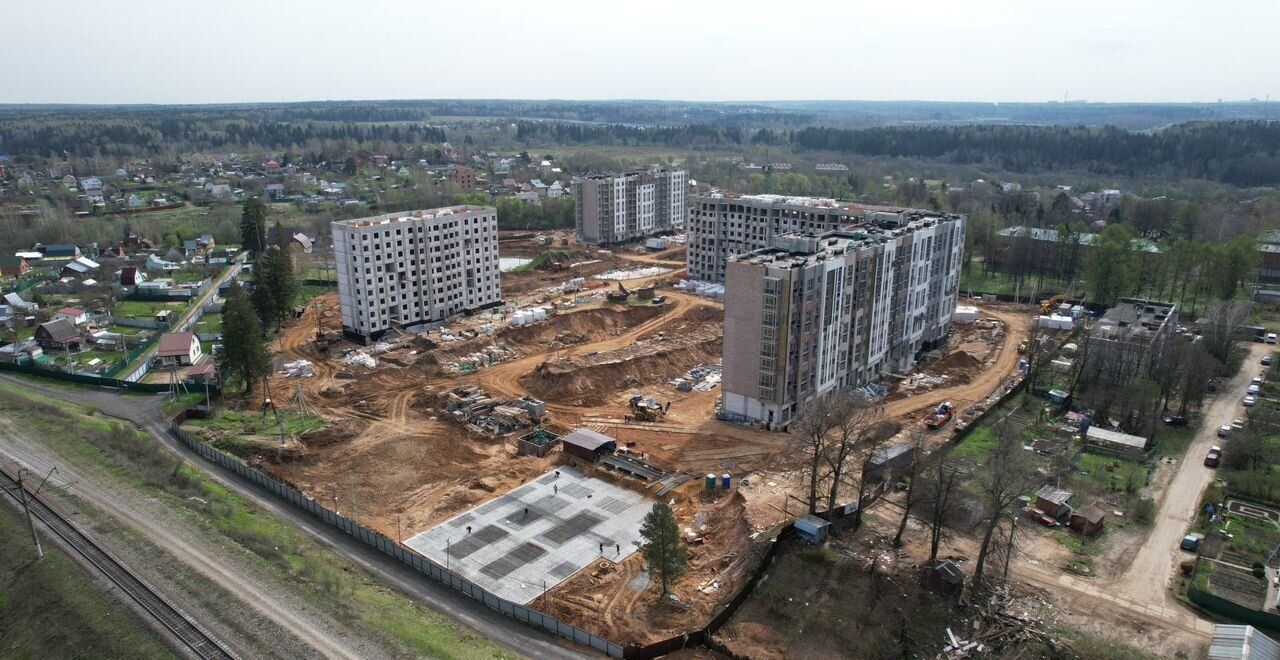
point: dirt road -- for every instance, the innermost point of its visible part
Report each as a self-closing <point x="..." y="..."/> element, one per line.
<point x="1148" y="578"/>
<point x="1016" y="326"/>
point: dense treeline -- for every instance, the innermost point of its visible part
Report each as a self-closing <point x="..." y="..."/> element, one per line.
<point x="123" y="138"/>
<point x="616" y="134"/>
<point x="1244" y="153"/>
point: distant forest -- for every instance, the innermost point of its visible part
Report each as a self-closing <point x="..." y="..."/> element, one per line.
<point x="1243" y="153"/>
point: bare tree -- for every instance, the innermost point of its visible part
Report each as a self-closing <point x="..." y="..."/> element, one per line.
<point x="916" y="438"/>
<point x="1005" y="476"/>
<point x="854" y="436"/>
<point x="1225" y="318"/>
<point x="812" y="431"/>
<point x="939" y="497"/>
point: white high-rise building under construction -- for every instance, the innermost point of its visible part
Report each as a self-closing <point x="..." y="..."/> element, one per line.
<point x="617" y="208"/>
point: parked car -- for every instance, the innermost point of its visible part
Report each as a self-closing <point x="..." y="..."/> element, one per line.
<point x="1249" y="400"/>
<point x="1266" y="360"/>
<point x="1271" y="337"/>
<point x="1257" y="380"/>
<point x="1237" y="424"/>
<point x="1214" y="456"/>
<point x="1253" y="390"/>
<point x="1211" y="385"/>
<point x="1224" y="431"/>
<point x="1175" y="420"/>
<point x="1191" y="542"/>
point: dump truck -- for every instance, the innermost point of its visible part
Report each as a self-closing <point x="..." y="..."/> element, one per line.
<point x="940" y="416"/>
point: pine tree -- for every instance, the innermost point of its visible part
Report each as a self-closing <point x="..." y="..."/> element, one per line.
<point x="244" y="355"/>
<point x="253" y="225"/>
<point x="662" y="548"/>
<point x="275" y="288"/>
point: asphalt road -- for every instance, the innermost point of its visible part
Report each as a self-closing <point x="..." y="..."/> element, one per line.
<point x="145" y="412"/>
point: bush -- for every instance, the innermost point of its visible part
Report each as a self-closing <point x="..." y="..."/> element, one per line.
<point x="1259" y="571"/>
<point x="1144" y="510"/>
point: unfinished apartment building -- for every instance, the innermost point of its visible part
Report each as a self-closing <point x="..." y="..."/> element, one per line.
<point x="721" y="225"/>
<point x="617" y="208"/>
<point x="417" y="267"/>
<point x="1129" y="341"/>
<point x="812" y="314"/>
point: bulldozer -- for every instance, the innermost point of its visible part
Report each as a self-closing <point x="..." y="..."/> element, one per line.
<point x="645" y="409"/>
<point x="619" y="296"/>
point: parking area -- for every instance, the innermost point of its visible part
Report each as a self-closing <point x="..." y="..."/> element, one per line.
<point x="536" y="536"/>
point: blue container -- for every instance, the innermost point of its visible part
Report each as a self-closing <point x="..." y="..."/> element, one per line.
<point x="724" y="481"/>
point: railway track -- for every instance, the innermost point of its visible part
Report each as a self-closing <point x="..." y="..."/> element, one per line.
<point x="187" y="632"/>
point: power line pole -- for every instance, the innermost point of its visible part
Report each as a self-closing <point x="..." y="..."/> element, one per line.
<point x="26" y="510"/>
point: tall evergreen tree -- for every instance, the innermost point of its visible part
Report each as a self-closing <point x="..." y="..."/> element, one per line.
<point x="661" y="546"/>
<point x="253" y="225"/>
<point x="275" y="288"/>
<point x="244" y="354"/>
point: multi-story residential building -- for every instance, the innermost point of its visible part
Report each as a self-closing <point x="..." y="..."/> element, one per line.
<point x="722" y="225"/>
<point x="616" y="208"/>
<point x="416" y="267"/>
<point x="815" y="313"/>
<point x="1130" y="341"/>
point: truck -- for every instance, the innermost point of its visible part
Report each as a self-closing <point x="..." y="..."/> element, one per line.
<point x="940" y="416"/>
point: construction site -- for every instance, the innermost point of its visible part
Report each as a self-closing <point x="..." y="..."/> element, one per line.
<point x="421" y="431"/>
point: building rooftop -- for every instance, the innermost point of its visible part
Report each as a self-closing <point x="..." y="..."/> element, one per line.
<point x="587" y="439"/>
<point x="403" y="216"/>
<point x="800" y="250"/>
<point x="175" y="344"/>
<point x="1134" y="318"/>
<point x="1116" y="437"/>
<point x="1234" y="642"/>
<point x="1055" y="495"/>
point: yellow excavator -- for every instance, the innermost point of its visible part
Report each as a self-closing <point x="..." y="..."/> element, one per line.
<point x="1047" y="306"/>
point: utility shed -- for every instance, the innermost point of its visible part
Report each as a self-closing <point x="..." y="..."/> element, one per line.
<point x="1233" y="642"/>
<point x="1087" y="521"/>
<point x="1115" y="442"/>
<point x="588" y="445"/>
<point x="944" y="576"/>
<point x="812" y="529"/>
<point x="890" y="462"/>
<point x="1053" y="502"/>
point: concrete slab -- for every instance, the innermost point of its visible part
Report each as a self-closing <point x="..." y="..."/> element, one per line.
<point x="544" y="531"/>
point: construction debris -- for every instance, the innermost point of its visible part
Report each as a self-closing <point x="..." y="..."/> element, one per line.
<point x="633" y="273"/>
<point x="298" y="369"/>
<point x="360" y="359"/>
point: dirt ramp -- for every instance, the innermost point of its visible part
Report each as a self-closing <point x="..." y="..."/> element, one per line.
<point x="589" y="325"/>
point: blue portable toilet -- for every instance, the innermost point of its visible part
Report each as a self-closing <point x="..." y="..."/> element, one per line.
<point x="812" y="529"/>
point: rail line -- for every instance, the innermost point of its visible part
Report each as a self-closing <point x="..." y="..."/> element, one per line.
<point x="182" y="627"/>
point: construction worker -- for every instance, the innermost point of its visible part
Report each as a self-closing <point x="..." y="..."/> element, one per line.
<point x="526" y="512"/>
<point x="602" y="547"/>
<point x="468" y="529"/>
<point x="617" y="548"/>
<point x="555" y="489"/>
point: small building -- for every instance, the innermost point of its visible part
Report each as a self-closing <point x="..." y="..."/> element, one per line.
<point x="890" y="462"/>
<point x="588" y="445"/>
<point x="274" y="191"/>
<point x="1087" y="521"/>
<point x="942" y="575"/>
<point x="1236" y="642"/>
<point x="76" y="315"/>
<point x="965" y="314"/>
<point x="1115" y="443"/>
<point x="132" y="276"/>
<point x="63" y="251"/>
<point x="537" y="442"/>
<point x="79" y="267"/>
<point x="205" y="373"/>
<point x="178" y="349"/>
<point x="59" y="334"/>
<point x="1054" y="502"/>
<point x="812" y="529"/>
<point x="14" y="266"/>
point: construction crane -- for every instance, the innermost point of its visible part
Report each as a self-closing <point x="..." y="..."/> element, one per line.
<point x="768" y="173"/>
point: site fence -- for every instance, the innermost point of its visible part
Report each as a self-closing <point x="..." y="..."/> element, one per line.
<point x="84" y="379"/>
<point x="381" y="543"/>
<point x="1233" y="610"/>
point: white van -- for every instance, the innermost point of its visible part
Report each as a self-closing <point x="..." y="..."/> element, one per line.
<point x="1271" y="337"/>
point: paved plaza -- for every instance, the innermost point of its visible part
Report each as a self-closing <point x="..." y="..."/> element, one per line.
<point x="543" y="531"/>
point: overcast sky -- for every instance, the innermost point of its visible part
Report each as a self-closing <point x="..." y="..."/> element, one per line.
<point x="200" y="51"/>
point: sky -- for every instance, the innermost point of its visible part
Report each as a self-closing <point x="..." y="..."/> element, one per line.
<point x="202" y="51"/>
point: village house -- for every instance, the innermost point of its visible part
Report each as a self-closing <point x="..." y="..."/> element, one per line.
<point x="274" y="191"/>
<point x="1053" y="502"/>
<point x="1087" y="521"/>
<point x="58" y="334"/>
<point x="76" y="315"/>
<point x="178" y="349"/>
<point x="14" y="266"/>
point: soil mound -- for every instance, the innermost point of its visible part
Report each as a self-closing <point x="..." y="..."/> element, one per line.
<point x="587" y="383"/>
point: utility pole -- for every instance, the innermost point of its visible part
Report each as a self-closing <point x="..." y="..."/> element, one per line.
<point x="26" y="510"/>
<point x="26" y="507"/>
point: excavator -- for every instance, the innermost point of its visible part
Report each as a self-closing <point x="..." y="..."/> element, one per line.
<point x="645" y="409"/>
<point x="620" y="296"/>
<point x="1047" y="306"/>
